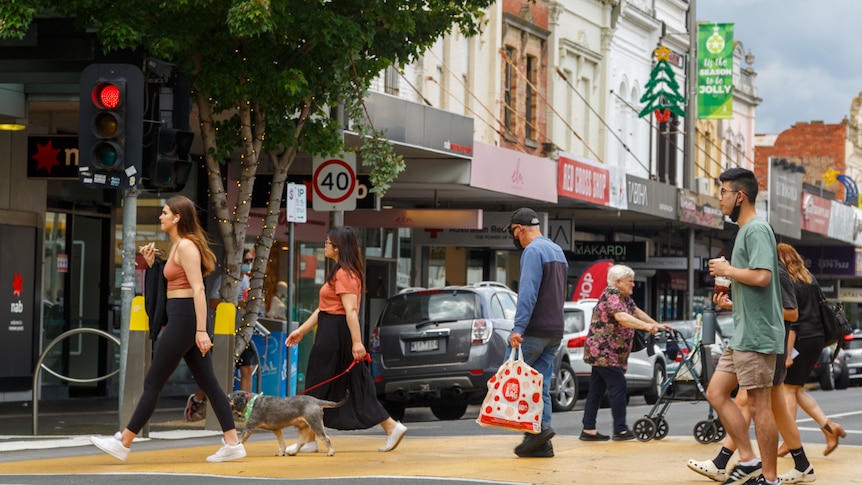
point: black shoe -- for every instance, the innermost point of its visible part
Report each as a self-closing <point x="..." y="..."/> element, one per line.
<point x="545" y="450"/>
<point x="593" y="437"/>
<point x="533" y="441"/>
<point x="624" y="436"/>
<point x="742" y="474"/>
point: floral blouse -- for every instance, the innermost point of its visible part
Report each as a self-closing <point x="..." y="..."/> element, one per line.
<point x="608" y="341"/>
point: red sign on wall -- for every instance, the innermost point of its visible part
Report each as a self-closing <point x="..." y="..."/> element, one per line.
<point x="62" y="263"/>
<point x="582" y="181"/>
<point x="815" y="213"/>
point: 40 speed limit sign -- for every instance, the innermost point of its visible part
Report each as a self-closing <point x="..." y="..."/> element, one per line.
<point x="334" y="183"/>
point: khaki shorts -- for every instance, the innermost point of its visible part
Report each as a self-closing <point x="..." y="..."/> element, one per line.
<point x="753" y="370"/>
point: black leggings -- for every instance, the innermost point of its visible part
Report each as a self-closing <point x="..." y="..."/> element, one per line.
<point x="177" y="341"/>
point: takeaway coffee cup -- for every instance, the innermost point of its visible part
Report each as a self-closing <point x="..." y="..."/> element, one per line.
<point x="722" y="284"/>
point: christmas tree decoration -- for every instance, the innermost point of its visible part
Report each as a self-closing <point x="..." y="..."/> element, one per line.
<point x="662" y="93"/>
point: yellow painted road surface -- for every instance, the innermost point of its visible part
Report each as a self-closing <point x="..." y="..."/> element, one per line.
<point x="473" y="457"/>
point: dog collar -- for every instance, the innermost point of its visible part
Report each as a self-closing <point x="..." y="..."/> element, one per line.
<point x="249" y="406"/>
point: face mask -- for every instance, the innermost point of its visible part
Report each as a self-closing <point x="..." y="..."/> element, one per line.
<point x="245" y="268"/>
<point x="517" y="243"/>
<point x="734" y="214"/>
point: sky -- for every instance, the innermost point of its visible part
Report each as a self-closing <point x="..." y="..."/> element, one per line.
<point x="808" y="55"/>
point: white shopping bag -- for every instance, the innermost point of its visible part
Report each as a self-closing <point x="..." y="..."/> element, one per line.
<point x="514" y="399"/>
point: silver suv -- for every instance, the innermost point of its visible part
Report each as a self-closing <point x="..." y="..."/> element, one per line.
<point x="438" y="347"/>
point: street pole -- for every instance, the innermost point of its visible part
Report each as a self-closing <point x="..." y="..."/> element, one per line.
<point x="691" y="134"/>
<point x="127" y="293"/>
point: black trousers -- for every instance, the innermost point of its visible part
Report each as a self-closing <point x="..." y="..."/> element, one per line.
<point x="177" y="341"/>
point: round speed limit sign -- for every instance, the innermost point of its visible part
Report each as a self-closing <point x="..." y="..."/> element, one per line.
<point x="334" y="183"/>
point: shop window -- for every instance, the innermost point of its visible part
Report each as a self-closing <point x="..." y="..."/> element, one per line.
<point x="509" y="91"/>
<point x="530" y="131"/>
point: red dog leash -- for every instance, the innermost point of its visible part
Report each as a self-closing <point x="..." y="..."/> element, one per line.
<point x="367" y="358"/>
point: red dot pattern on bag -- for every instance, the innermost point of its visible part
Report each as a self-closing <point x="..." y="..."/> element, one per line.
<point x="511" y="390"/>
<point x="537" y="397"/>
<point x="523" y="407"/>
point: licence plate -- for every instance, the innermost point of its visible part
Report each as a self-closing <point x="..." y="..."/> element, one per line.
<point x="423" y="345"/>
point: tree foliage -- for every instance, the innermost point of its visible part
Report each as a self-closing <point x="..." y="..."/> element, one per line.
<point x="264" y="76"/>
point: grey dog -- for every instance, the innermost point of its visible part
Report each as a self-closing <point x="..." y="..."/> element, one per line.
<point x="274" y="413"/>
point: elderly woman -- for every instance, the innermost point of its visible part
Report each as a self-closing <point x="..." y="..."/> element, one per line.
<point x="609" y="341"/>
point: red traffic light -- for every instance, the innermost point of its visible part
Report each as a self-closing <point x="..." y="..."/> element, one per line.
<point x="106" y="96"/>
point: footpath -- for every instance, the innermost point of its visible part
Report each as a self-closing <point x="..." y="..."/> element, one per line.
<point x="174" y="447"/>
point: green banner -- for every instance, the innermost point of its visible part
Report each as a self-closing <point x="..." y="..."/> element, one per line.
<point x="715" y="71"/>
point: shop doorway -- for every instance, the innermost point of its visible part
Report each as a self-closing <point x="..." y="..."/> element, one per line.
<point x="78" y="281"/>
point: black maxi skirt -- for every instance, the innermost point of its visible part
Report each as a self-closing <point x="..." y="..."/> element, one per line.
<point x="330" y="355"/>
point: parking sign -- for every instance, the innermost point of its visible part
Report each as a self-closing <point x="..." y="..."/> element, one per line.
<point x="296" y="202"/>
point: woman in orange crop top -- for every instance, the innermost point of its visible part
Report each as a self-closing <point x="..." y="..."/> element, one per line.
<point x="338" y="342"/>
<point x="185" y="334"/>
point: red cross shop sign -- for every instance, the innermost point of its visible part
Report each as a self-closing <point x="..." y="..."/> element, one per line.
<point x="334" y="183"/>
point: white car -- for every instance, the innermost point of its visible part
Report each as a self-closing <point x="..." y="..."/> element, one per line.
<point x="645" y="373"/>
<point x="853" y="356"/>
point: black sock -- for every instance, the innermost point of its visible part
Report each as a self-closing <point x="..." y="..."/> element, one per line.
<point x="722" y="458"/>
<point x="800" y="459"/>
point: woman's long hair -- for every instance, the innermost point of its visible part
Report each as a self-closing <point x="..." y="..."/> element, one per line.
<point x="794" y="263"/>
<point x="190" y="228"/>
<point x="349" y="254"/>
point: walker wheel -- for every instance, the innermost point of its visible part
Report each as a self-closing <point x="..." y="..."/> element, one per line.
<point x="644" y="429"/>
<point x="661" y="427"/>
<point x="705" y="432"/>
<point x="720" y="432"/>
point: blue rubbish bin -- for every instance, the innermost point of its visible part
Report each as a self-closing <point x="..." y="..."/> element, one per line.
<point x="273" y="358"/>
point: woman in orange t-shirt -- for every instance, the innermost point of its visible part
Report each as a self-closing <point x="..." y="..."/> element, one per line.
<point x="338" y="343"/>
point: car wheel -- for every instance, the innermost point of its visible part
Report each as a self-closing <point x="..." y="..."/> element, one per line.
<point x="843" y="379"/>
<point x="654" y="391"/>
<point x="395" y="409"/>
<point x="567" y="389"/>
<point x="827" y="378"/>
<point x="449" y="412"/>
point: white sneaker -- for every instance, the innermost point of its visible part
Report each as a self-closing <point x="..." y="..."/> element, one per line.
<point x="112" y="446"/>
<point x="394" y="438"/>
<point x="708" y="469"/>
<point x="228" y="453"/>
<point x="796" y="476"/>
<point x="310" y="447"/>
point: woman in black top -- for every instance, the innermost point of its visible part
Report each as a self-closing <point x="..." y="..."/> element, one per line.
<point x="806" y="337"/>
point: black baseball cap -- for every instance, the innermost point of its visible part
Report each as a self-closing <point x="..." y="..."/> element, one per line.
<point x="524" y="216"/>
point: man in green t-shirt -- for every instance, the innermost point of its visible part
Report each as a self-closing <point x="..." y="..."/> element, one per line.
<point x="749" y="359"/>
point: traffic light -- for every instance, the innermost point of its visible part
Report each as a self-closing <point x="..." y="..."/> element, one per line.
<point x="170" y="166"/>
<point x="110" y="130"/>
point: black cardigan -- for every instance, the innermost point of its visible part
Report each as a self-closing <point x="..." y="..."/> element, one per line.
<point x="156" y="291"/>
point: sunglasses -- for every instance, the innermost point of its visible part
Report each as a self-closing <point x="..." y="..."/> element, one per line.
<point x="511" y="229"/>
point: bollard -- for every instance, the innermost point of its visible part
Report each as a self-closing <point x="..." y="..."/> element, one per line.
<point x="224" y="360"/>
<point x="707" y="328"/>
<point x="137" y="362"/>
<point x="292" y="363"/>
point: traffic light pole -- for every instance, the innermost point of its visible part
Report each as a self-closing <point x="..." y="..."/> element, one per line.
<point x="128" y="394"/>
